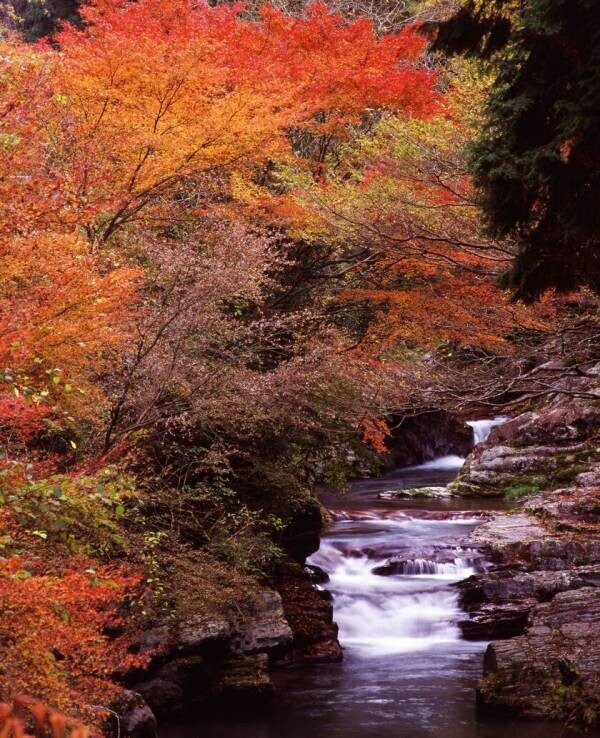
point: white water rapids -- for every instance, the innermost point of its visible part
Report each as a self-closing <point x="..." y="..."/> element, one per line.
<point x="413" y="606"/>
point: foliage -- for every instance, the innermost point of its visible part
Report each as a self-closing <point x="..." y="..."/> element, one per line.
<point x="69" y="661"/>
<point x="28" y="718"/>
<point x="78" y="514"/>
<point x="399" y="209"/>
<point x="536" y="158"/>
<point x="227" y="237"/>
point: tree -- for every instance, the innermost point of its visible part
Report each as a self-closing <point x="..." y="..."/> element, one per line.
<point x="53" y="631"/>
<point x="536" y="160"/>
<point x="399" y="211"/>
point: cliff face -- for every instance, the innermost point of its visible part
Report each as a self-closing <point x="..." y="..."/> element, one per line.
<point x="215" y="645"/>
<point x="423" y="437"/>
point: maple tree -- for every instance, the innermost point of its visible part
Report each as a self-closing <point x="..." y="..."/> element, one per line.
<point x="70" y="655"/>
<point x="401" y="216"/>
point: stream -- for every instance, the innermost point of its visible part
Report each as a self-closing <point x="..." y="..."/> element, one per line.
<point x="406" y="673"/>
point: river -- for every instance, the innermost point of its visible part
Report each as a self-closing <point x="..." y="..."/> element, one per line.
<point x="406" y="673"/>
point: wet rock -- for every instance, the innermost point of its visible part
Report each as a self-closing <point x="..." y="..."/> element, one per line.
<point x="243" y="683"/>
<point x="423" y="437"/>
<point x="309" y="613"/>
<point x="494" y="622"/>
<point x="553" y="670"/>
<point x="499" y="602"/>
<point x="316" y="574"/>
<point x="264" y="626"/>
<point x="136" y="719"/>
<point x="415" y="492"/>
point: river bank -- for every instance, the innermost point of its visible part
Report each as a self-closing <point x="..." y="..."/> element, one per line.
<point x="391" y="569"/>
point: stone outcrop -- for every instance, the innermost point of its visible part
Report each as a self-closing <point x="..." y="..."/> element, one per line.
<point x="541" y="599"/>
<point x="414" y="440"/>
<point x="203" y="660"/>
<point x="499" y="603"/>
<point x="219" y="643"/>
<point x="206" y="661"/>
<point x="553" y="670"/>
<point x="309" y="612"/>
<point x="545" y="448"/>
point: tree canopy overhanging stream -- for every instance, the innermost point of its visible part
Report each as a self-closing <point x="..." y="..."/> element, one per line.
<point x="407" y="672"/>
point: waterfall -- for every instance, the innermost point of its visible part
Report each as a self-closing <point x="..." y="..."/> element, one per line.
<point x="400" y="613"/>
<point x="483" y="428"/>
<point x="420" y="567"/>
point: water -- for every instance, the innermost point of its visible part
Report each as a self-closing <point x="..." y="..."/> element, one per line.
<point x="406" y="671"/>
<point x="482" y="428"/>
<point x="411" y="610"/>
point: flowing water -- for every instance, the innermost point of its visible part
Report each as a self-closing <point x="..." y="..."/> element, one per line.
<point x="406" y="672"/>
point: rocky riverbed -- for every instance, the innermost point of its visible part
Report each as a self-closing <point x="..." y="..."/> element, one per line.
<point x="540" y="603"/>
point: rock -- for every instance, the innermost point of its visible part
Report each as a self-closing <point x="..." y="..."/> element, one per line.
<point x="196" y="655"/>
<point x="414" y="440"/>
<point x="546" y="448"/>
<point x="243" y="683"/>
<point x="415" y="492"/>
<point x="499" y="602"/>
<point x="203" y="633"/>
<point x="136" y="719"/>
<point x="310" y="615"/>
<point x="164" y="697"/>
<point x="494" y="622"/>
<point x="264" y="626"/>
<point x="553" y="531"/>
<point x="154" y="640"/>
<point x="316" y="574"/>
<point x="553" y="670"/>
<point x="508" y="536"/>
<point x="302" y="534"/>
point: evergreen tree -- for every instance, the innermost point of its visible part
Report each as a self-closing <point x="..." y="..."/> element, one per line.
<point x="537" y="158"/>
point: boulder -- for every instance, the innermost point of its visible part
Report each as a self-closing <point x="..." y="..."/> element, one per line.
<point x="553" y="670"/>
<point x="135" y="717"/>
<point x="263" y="628"/>
<point x="309" y="612"/>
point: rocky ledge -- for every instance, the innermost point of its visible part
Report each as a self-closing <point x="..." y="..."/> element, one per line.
<point x="544" y="448"/>
<point x="208" y="662"/>
<point x="540" y="601"/>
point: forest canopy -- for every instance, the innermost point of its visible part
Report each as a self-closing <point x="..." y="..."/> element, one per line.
<point x="236" y="244"/>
